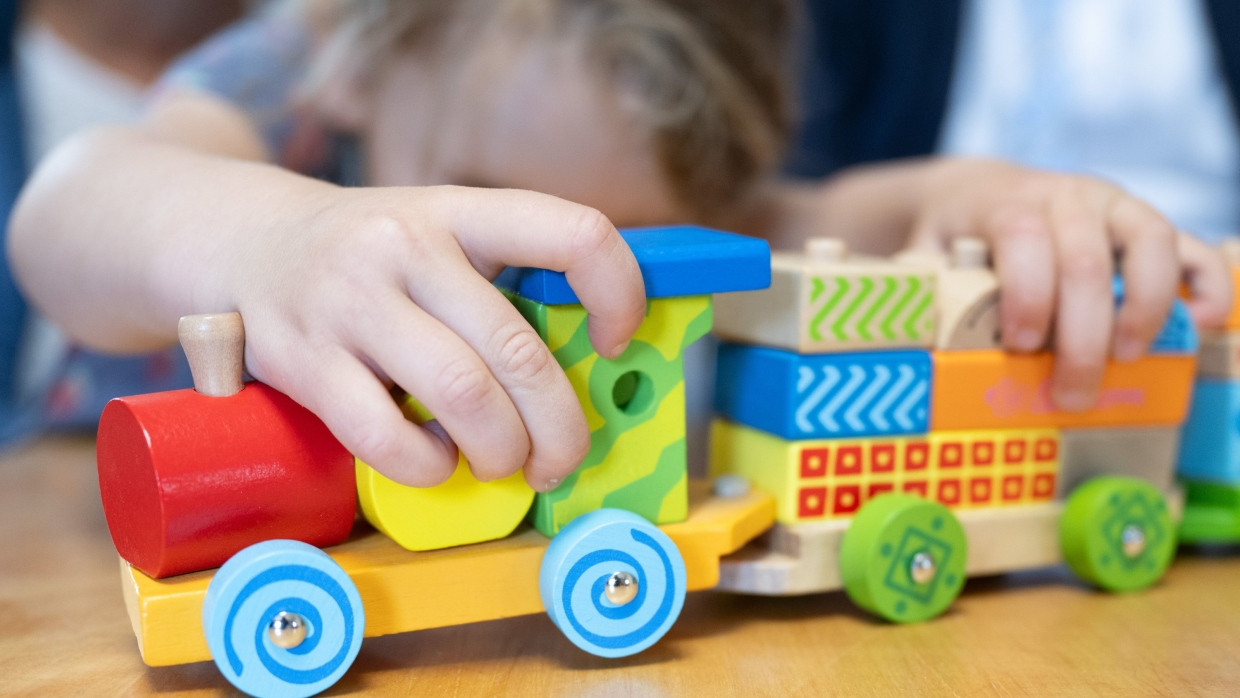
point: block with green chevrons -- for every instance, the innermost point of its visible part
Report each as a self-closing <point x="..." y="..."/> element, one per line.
<point x="816" y="305"/>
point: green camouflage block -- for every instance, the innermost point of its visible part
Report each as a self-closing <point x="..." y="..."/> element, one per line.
<point x="635" y="407"/>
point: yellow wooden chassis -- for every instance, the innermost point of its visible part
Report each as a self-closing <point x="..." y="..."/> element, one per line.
<point x="404" y="591"/>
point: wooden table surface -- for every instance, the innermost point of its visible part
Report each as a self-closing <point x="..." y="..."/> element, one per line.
<point x="64" y="630"/>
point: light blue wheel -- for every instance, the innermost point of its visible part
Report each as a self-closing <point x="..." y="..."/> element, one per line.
<point x="282" y="619"/>
<point x="612" y="582"/>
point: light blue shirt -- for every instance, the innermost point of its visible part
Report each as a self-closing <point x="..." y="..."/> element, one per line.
<point x="1128" y="90"/>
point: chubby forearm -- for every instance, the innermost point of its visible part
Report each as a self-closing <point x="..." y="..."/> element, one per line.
<point x="120" y="231"/>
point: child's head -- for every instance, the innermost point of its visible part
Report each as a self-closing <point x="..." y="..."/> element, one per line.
<point x="650" y="110"/>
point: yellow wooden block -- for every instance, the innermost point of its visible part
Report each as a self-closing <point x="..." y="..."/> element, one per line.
<point x="460" y="511"/>
<point x="403" y="591"/>
<point x="817" y="479"/>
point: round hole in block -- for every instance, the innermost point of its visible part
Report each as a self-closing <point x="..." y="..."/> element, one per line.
<point x="632" y="392"/>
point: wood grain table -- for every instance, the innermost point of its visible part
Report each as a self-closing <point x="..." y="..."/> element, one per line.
<point x="64" y="630"/>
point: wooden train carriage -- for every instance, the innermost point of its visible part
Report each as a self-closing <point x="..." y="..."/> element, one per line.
<point x="907" y="451"/>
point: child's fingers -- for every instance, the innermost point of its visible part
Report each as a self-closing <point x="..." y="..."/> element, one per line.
<point x="519" y="359"/>
<point x="1024" y="259"/>
<point x="1148" y="246"/>
<point x="447" y="375"/>
<point x="521" y="228"/>
<point x="1209" y="281"/>
<point x="1085" y="299"/>
<point x="355" y="405"/>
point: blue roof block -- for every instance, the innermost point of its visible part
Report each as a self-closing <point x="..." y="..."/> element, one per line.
<point x="680" y="260"/>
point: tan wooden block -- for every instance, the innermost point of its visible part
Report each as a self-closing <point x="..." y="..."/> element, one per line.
<point x="1148" y="453"/>
<point x="804" y="558"/>
<point x="1219" y="356"/>
<point x="968" y="310"/>
<point x="789" y="561"/>
<point x="966" y="295"/>
<point x="823" y="300"/>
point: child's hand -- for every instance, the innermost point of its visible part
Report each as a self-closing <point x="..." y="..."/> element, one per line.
<point x="363" y="288"/>
<point x="344" y="292"/>
<point x="1055" y="240"/>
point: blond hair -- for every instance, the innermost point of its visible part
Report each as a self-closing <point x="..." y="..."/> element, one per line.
<point x="709" y="79"/>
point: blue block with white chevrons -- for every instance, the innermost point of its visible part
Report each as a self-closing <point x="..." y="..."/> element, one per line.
<point x="1210" y="442"/>
<point x="1178" y="334"/>
<point x="816" y="396"/>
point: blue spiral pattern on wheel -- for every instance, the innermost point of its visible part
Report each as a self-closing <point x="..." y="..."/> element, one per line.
<point x="253" y="588"/>
<point x="631" y="625"/>
<point x="584" y="555"/>
<point x="308" y="612"/>
<point x="598" y="590"/>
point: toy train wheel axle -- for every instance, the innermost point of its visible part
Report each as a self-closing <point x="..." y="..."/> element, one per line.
<point x="287" y="630"/>
<point x="922" y="568"/>
<point x="621" y="588"/>
<point x="1132" y="541"/>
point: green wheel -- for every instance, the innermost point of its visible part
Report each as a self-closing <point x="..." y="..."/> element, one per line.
<point x="1211" y="513"/>
<point x="903" y="558"/>
<point x="1117" y="534"/>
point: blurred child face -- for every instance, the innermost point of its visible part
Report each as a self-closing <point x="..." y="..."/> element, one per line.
<point x="526" y="116"/>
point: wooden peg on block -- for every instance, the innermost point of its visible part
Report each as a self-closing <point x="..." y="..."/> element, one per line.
<point x="967" y="294"/>
<point x="190" y="477"/>
<point x="968" y="299"/>
<point x="214" y="344"/>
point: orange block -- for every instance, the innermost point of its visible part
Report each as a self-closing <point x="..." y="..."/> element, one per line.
<point x="1233" y="318"/>
<point x="993" y="390"/>
<point x="1231" y="250"/>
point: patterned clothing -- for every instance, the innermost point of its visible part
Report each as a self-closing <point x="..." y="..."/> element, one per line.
<point x="258" y="65"/>
<point x="55" y="384"/>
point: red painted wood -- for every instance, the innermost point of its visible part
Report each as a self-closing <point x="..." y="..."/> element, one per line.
<point x="187" y="480"/>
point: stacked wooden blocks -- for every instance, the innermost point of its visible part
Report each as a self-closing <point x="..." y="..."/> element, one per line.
<point x="850" y="378"/>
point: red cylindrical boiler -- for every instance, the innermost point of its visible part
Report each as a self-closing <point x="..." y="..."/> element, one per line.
<point x="188" y="480"/>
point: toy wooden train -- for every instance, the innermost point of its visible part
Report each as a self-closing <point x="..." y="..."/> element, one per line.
<point x="831" y="399"/>
<point x="244" y="478"/>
